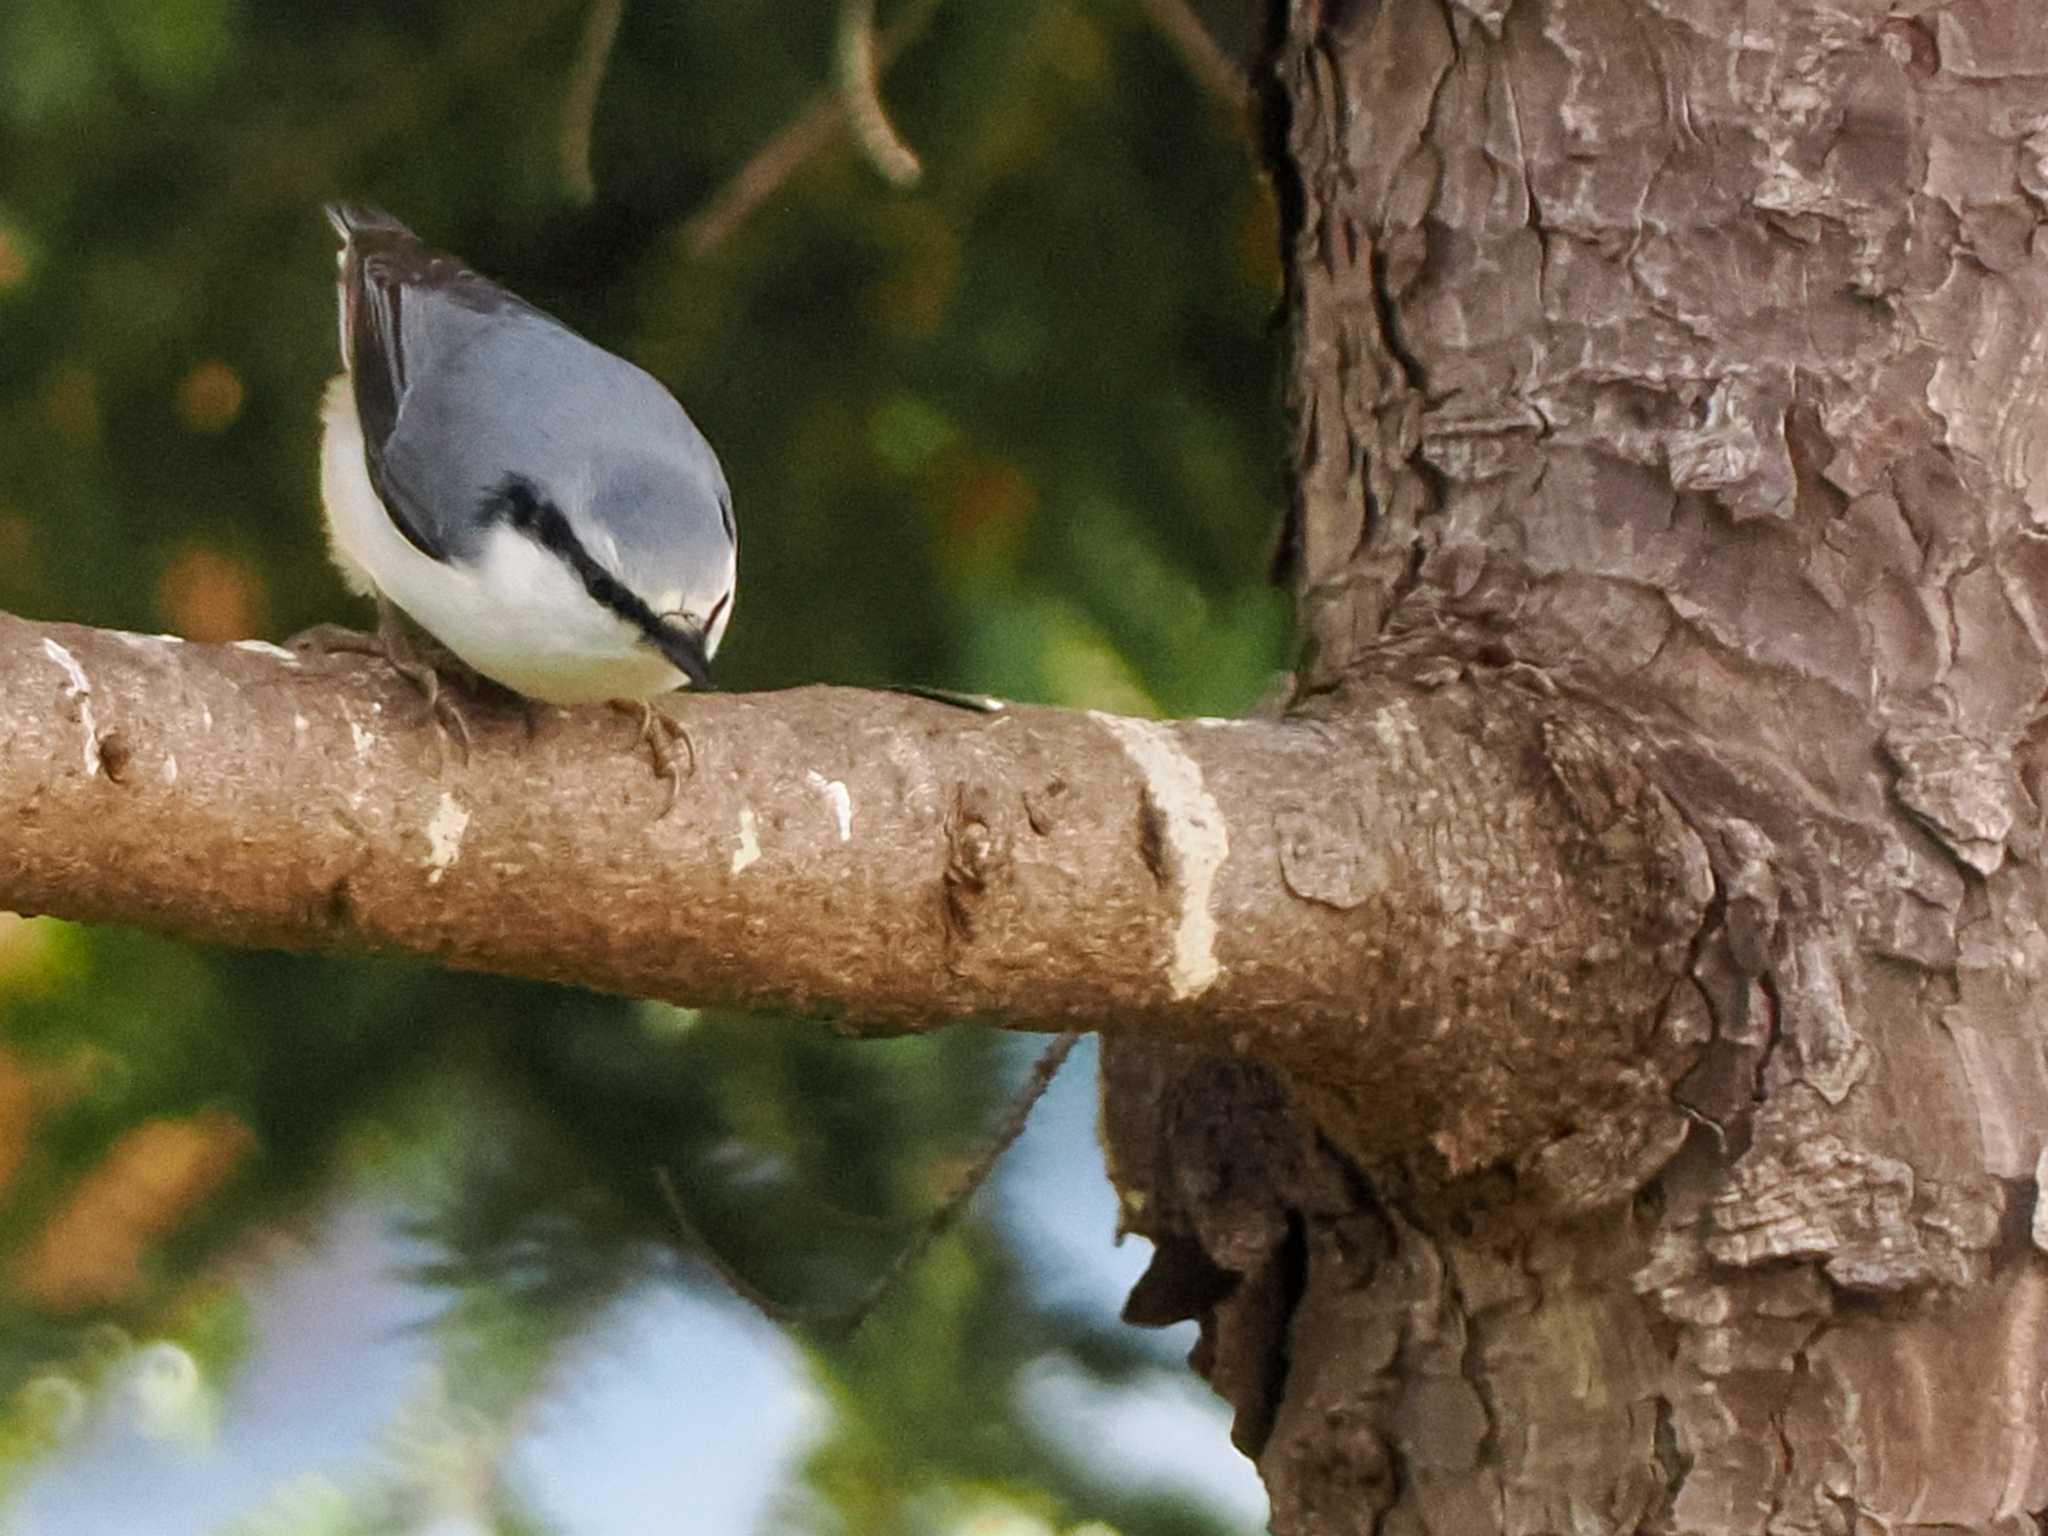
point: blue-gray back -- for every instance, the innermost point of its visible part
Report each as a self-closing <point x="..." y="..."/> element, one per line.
<point x="461" y="385"/>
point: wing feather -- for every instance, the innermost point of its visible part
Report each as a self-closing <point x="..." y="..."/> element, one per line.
<point x="392" y="284"/>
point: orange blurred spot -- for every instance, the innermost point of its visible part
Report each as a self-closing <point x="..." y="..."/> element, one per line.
<point x="17" y="1110"/>
<point x="210" y="596"/>
<point x="29" y="1089"/>
<point x="210" y="396"/>
<point x="89" y="1254"/>
<point x="984" y="508"/>
<point x="991" y="496"/>
<point x="13" y="261"/>
<point x="71" y="404"/>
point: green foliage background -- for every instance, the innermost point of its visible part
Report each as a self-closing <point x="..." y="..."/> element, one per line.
<point x="1014" y="430"/>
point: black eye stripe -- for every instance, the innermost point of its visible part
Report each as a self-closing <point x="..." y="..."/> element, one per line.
<point x="518" y="503"/>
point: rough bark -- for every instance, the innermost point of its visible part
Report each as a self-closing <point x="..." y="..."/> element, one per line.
<point x="1234" y="885"/>
<point x="1691" y="353"/>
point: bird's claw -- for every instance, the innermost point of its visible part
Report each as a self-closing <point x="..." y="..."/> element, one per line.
<point x="442" y="712"/>
<point x="398" y="652"/>
<point x="335" y="640"/>
<point x="658" y="732"/>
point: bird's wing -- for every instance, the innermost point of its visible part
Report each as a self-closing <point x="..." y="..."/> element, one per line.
<point x="463" y="388"/>
<point x="410" y="316"/>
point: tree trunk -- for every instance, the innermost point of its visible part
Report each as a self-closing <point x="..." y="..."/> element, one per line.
<point x="1679" y="363"/>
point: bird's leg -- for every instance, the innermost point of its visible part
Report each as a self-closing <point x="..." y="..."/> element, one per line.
<point x="405" y="660"/>
<point x="396" y="647"/>
<point x="658" y="732"/>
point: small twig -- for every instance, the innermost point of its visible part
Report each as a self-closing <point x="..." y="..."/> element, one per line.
<point x="730" y="1278"/>
<point x="948" y="1210"/>
<point x="978" y="703"/>
<point x="860" y="88"/>
<point x="579" y="106"/>
<point x="813" y="129"/>
<point x="843" y="1322"/>
<point x="1217" y="71"/>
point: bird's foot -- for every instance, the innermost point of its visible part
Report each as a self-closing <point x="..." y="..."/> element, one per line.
<point x="659" y="732"/>
<point x="443" y="713"/>
<point x="402" y="655"/>
<point x="335" y="640"/>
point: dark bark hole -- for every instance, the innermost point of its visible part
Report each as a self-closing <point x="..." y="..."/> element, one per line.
<point x="1152" y="838"/>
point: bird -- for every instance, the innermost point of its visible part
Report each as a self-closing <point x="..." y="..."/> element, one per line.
<point x="543" y="509"/>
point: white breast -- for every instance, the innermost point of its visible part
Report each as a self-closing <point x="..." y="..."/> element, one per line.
<point x="516" y="614"/>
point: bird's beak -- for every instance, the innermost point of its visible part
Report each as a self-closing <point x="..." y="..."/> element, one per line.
<point x="684" y="649"/>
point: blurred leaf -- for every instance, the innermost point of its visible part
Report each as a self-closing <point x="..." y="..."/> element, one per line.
<point x="171" y="47"/>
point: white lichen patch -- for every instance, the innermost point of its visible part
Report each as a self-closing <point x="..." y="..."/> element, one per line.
<point x="1394" y="728"/>
<point x="836" y="796"/>
<point x="750" y="843"/>
<point x="77" y="687"/>
<point x="169" y="772"/>
<point x="73" y="672"/>
<point x="363" y="739"/>
<point x="2039" y="1224"/>
<point x="444" y="837"/>
<point x="266" y="648"/>
<point x="136" y="642"/>
<point x="1196" y="837"/>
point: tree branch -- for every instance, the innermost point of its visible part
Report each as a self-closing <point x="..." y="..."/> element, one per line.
<point x="579" y="101"/>
<point x="1365" y="897"/>
<point x="1219" y="74"/>
<point x="860" y="89"/>
<point x="815" y="128"/>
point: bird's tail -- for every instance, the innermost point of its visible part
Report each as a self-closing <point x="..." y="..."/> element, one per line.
<point x="353" y="219"/>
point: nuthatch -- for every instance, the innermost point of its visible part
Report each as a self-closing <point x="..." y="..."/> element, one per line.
<point x="542" y="508"/>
